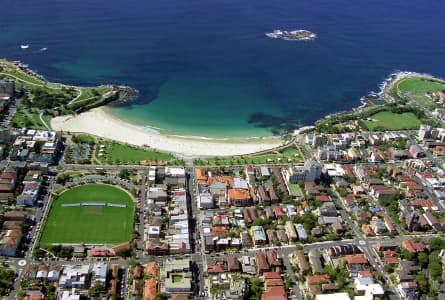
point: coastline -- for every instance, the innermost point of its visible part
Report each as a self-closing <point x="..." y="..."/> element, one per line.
<point x="104" y="124"/>
<point x="100" y="123"/>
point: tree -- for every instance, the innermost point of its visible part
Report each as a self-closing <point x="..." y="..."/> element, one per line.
<point x="388" y="269"/>
<point x="258" y="222"/>
<point x="124" y="174"/>
<point x="406" y="254"/>
<point x="256" y="288"/>
<point x="308" y="219"/>
<point x="6" y="278"/>
<point x="126" y="252"/>
<point x="434" y="266"/>
<point x="423" y="258"/>
<point x="436" y="244"/>
<point x="49" y="291"/>
<point x="421" y="282"/>
<point x="95" y="289"/>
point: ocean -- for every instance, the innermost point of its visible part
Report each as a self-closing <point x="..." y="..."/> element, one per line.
<point x="205" y="68"/>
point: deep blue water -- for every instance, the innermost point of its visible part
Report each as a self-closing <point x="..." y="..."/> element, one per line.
<point x="205" y="67"/>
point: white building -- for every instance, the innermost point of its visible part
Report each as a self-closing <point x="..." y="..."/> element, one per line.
<point x="205" y="201"/>
<point x="308" y="172"/>
<point x="74" y="276"/>
<point x="367" y="286"/>
<point x="335" y="296"/>
<point x="99" y="274"/>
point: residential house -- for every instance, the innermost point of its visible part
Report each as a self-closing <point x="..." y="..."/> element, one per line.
<point x="314" y="257"/>
<point x="413" y="247"/>
<point x="258" y="235"/>
<point x="10" y="240"/>
<point x="301" y="262"/>
<point x="262" y="264"/>
<point x="239" y="197"/>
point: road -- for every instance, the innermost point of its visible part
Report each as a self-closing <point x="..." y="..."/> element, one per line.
<point x="141" y="209"/>
<point x="363" y="242"/>
<point x="197" y="239"/>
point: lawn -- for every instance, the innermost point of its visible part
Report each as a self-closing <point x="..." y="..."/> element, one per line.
<point x="29" y="120"/>
<point x="386" y="120"/>
<point x="92" y="92"/>
<point x="295" y="190"/>
<point x="24" y="77"/>
<point x="89" y="224"/>
<point x="177" y="278"/>
<point x="419" y="85"/>
<point x="417" y="88"/>
<point x="288" y="155"/>
<point x="115" y="153"/>
<point x="84" y="139"/>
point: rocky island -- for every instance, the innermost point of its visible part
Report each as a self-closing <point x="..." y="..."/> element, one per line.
<point x="295" y="35"/>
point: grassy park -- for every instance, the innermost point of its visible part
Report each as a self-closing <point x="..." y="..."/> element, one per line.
<point x="30" y="119"/>
<point x="387" y="120"/>
<point x="23" y="77"/>
<point x="109" y="152"/>
<point x="417" y="88"/>
<point x="89" y="224"/>
<point x="287" y="155"/>
<point x="49" y="99"/>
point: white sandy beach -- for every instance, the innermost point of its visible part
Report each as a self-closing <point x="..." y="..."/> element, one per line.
<point x="99" y="123"/>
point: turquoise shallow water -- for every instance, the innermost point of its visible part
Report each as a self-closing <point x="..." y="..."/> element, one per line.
<point x="206" y="69"/>
<point x="216" y="108"/>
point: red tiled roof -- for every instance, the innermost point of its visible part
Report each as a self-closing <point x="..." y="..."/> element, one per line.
<point x="390" y="260"/>
<point x="413" y="247"/>
<point x="100" y="252"/>
<point x="411" y="284"/>
<point x="389" y="252"/>
<point x="113" y="287"/>
<point x="33" y="297"/>
<point x="219" y="231"/>
<point x="348" y="171"/>
<point x="227" y="180"/>
<point x="278" y="212"/>
<point x="318" y="279"/>
<point x="8" y="175"/>
<point x="421" y="203"/>
<point x="151" y="269"/>
<point x="365" y="273"/>
<point x="150" y="246"/>
<point x="137" y="271"/>
<point x="323" y="198"/>
<point x="31" y="185"/>
<point x="273" y="282"/>
<point x="201" y="177"/>
<point x="367" y="229"/>
<point x="150" y="289"/>
<point x="121" y="246"/>
<point x="356" y="259"/>
<point x="272" y="275"/>
<point x="217" y="268"/>
<point x="274" y="293"/>
<point x="238" y="194"/>
<point x="389" y="224"/>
